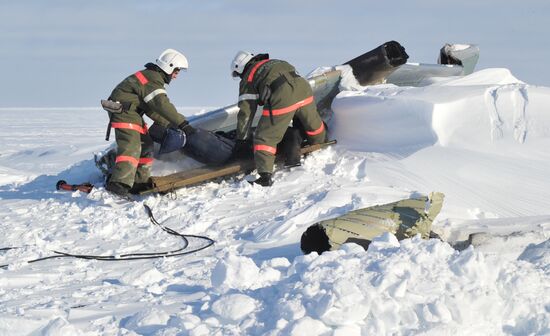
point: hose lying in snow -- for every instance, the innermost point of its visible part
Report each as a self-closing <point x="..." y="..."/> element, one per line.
<point x="132" y="256"/>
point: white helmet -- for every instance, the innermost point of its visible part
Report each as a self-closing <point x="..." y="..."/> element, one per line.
<point x="171" y="59"/>
<point x="239" y="62"/>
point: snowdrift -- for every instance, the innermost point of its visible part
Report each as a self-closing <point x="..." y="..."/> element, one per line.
<point x="484" y="111"/>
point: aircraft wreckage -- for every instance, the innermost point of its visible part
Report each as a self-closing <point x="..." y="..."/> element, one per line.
<point x="386" y="64"/>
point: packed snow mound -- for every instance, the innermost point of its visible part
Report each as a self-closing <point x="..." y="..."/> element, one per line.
<point x="412" y="286"/>
<point x="538" y="255"/>
<point x="487" y="109"/>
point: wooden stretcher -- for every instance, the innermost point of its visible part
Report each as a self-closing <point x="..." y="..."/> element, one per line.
<point x="168" y="183"/>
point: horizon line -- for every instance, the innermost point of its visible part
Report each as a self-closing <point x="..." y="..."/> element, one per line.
<point x="90" y="108"/>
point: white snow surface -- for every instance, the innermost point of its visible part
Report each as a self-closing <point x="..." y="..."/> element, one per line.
<point x="482" y="140"/>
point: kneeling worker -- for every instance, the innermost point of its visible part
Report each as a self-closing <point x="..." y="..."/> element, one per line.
<point x="142" y="93"/>
<point x="285" y="95"/>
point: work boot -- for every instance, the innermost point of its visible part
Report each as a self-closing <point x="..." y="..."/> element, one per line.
<point x="264" y="180"/>
<point x="117" y="188"/>
<point x="139" y="187"/>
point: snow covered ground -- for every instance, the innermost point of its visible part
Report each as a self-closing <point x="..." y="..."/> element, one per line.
<point x="480" y="139"/>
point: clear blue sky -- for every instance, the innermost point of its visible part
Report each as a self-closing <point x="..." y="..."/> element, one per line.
<point x="60" y="53"/>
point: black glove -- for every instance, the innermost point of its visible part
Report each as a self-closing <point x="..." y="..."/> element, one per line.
<point x="187" y="128"/>
<point x="157" y="132"/>
<point x="241" y="149"/>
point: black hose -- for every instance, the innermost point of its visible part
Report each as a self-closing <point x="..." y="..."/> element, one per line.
<point x="133" y="256"/>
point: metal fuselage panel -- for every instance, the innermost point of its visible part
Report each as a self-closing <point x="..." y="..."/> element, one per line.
<point x="384" y="64"/>
<point x="325" y="88"/>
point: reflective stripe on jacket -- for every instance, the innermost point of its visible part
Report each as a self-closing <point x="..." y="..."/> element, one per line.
<point x="144" y="92"/>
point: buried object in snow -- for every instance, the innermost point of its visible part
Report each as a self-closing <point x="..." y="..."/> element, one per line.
<point x="405" y="218"/>
<point x="383" y="64"/>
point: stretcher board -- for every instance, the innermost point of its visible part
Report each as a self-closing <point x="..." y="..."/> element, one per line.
<point x="164" y="184"/>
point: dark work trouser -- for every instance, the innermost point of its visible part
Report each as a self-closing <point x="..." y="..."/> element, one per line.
<point x="134" y="154"/>
<point x="269" y="134"/>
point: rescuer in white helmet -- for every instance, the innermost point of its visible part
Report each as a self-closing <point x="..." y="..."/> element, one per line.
<point x="286" y="97"/>
<point x="142" y="93"/>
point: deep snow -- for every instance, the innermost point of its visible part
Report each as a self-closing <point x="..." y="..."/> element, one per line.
<point x="481" y="139"/>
